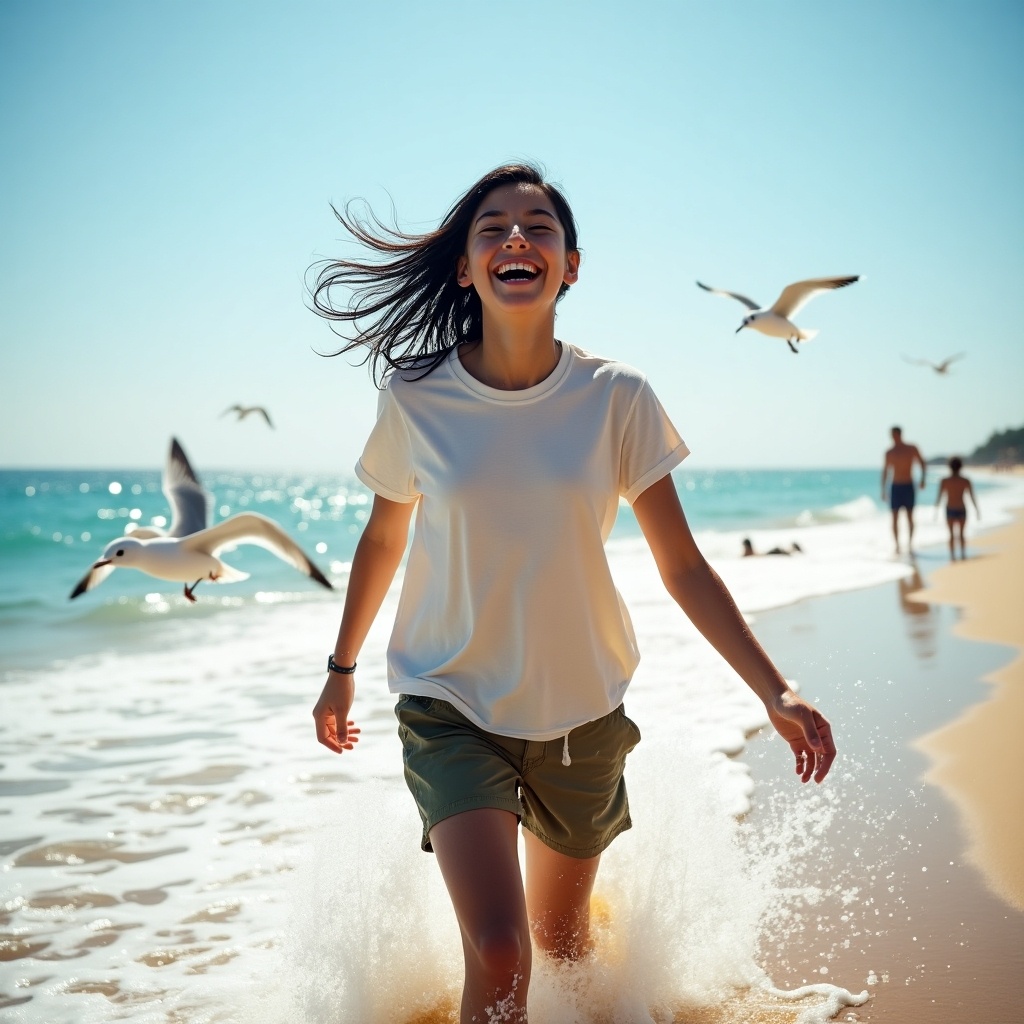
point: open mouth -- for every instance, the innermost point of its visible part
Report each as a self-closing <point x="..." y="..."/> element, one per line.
<point x="516" y="272"/>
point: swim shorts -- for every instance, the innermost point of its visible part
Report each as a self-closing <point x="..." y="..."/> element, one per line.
<point x="956" y="515"/>
<point x="901" y="496"/>
<point x="451" y="765"/>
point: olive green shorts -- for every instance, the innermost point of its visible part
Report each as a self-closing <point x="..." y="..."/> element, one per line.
<point x="451" y="765"/>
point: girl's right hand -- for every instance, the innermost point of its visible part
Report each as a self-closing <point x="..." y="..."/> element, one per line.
<point x="334" y="729"/>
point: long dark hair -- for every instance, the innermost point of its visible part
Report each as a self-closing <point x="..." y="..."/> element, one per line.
<point x="407" y="308"/>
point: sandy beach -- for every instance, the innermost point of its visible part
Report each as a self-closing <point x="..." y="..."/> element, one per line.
<point x="989" y="590"/>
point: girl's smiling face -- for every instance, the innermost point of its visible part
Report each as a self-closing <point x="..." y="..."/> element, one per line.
<point x="516" y="256"/>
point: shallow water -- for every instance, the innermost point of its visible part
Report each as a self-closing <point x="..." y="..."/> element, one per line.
<point x="176" y="840"/>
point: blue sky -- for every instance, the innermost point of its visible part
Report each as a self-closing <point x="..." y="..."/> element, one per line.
<point x="166" y="171"/>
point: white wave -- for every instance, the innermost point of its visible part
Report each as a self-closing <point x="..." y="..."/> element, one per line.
<point x="859" y="508"/>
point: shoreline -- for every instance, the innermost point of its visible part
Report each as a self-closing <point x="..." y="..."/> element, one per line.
<point x="901" y="899"/>
<point x="983" y="744"/>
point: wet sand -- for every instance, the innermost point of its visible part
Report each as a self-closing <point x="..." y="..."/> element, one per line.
<point x="911" y="871"/>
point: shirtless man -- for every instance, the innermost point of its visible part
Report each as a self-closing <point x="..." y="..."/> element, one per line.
<point x="899" y="460"/>
<point x="955" y="488"/>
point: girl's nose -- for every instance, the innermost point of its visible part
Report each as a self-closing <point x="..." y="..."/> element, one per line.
<point x="515" y="239"/>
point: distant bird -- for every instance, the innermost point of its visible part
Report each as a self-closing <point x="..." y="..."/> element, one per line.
<point x="942" y="367"/>
<point x="244" y="410"/>
<point x="189" y="549"/>
<point x="776" y="321"/>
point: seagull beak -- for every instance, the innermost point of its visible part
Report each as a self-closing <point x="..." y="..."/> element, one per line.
<point x="102" y="562"/>
<point x="740" y="328"/>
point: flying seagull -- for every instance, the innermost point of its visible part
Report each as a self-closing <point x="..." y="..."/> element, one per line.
<point x="942" y="367"/>
<point x="189" y="550"/>
<point x="244" y="410"/>
<point x="776" y="321"/>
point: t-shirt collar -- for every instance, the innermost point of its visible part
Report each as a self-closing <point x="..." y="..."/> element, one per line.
<point x="548" y="384"/>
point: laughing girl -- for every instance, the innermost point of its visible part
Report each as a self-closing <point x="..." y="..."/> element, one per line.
<point x="512" y="650"/>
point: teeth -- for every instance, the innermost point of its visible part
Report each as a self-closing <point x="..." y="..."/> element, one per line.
<point x="508" y="268"/>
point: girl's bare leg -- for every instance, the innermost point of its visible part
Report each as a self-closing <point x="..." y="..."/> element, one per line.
<point x="558" y="891"/>
<point x="478" y="853"/>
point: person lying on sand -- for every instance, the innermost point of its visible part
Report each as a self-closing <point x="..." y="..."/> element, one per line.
<point x="748" y="549"/>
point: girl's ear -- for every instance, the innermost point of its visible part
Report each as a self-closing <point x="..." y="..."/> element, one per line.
<point x="572" y="267"/>
<point x="462" y="274"/>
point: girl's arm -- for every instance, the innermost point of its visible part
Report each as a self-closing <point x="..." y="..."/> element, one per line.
<point x="974" y="500"/>
<point x="699" y="591"/>
<point x="374" y="565"/>
<point x="941" y="492"/>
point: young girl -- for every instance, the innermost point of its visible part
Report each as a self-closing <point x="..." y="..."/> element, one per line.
<point x="512" y="650"/>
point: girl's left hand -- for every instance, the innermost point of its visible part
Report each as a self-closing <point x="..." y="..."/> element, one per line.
<point x="807" y="732"/>
<point x="334" y="729"/>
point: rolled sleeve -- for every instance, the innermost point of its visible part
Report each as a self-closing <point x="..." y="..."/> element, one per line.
<point x="651" y="445"/>
<point x="386" y="465"/>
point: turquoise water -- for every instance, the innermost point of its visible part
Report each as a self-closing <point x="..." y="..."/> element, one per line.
<point x="55" y="523"/>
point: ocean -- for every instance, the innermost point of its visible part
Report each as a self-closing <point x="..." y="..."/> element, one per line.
<point x="56" y="522"/>
<point x="177" y="847"/>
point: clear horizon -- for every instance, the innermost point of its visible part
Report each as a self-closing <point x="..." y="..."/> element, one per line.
<point x="933" y="460"/>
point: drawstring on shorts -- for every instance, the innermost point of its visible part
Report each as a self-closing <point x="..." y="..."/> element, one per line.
<point x="566" y="759"/>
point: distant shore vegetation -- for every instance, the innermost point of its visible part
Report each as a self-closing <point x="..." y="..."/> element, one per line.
<point x="1003" y="448"/>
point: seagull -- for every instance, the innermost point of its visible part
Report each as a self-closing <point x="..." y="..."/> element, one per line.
<point x="776" y="321"/>
<point x="244" y="410"/>
<point x="942" y="367"/>
<point x="189" y="550"/>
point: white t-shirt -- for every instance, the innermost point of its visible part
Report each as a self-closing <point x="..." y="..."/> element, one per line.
<point x="508" y="609"/>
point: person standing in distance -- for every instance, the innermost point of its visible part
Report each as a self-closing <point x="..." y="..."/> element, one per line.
<point x="956" y="488"/>
<point x="511" y="649"/>
<point x="899" y="462"/>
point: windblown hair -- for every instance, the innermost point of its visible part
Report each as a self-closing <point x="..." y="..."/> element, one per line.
<point x="406" y="308"/>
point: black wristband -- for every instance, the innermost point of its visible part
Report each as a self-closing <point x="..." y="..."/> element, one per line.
<point x="333" y="666"/>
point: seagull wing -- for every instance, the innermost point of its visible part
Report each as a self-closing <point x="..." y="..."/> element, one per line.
<point x="93" y="578"/>
<point x="265" y="414"/>
<point x="231" y="408"/>
<point x="188" y="499"/>
<point x="145" y="533"/>
<point x="952" y="359"/>
<point x="252" y="528"/>
<point x="917" y="362"/>
<point x="795" y="296"/>
<point x="749" y="303"/>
